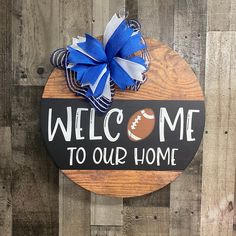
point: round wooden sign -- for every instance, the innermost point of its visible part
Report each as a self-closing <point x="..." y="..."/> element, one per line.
<point x="143" y="143"/>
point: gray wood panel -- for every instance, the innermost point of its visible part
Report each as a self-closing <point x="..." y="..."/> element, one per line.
<point x="75" y="19"/>
<point x="234" y="218"/>
<point x="146" y="220"/>
<point x="221" y="15"/>
<point x="35" y="32"/>
<point x="106" y="210"/>
<point x="219" y="144"/>
<point x="132" y="8"/>
<point x="106" y="230"/>
<point x="5" y="63"/>
<point x="5" y="181"/>
<point x="74" y="202"/>
<point x="157" y="19"/>
<point x="190" y="20"/>
<point x="34" y="176"/>
<point x="74" y="208"/>
<point x="35" y="27"/>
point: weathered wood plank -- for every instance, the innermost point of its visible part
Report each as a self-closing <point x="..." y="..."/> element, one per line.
<point x="103" y="10"/>
<point x="35" y="32"/>
<point x="116" y="6"/>
<point x="219" y="143"/>
<point x="35" y="35"/>
<point x="132" y="9"/>
<point x="142" y="211"/>
<point x="74" y="201"/>
<point x="190" y="34"/>
<point x="100" y="16"/>
<point x="105" y="210"/>
<point x="221" y="15"/>
<point x="185" y="200"/>
<point x="5" y="181"/>
<point x="75" y="19"/>
<point x="185" y="192"/>
<point x="34" y="176"/>
<point x="146" y="220"/>
<point x="106" y="230"/>
<point x="234" y="219"/>
<point x="74" y="208"/>
<point x="157" y="19"/>
<point x="5" y="63"/>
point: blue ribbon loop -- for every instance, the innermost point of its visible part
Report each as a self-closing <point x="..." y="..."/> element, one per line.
<point x="94" y="48"/>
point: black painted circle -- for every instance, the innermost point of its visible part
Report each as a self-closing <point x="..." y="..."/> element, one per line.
<point x="182" y="142"/>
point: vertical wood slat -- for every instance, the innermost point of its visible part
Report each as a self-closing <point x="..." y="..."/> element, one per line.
<point x="5" y="120"/>
<point x="146" y="220"/>
<point x="75" y="19"/>
<point x="157" y="19"/>
<point x="149" y="215"/>
<point x="5" y="63"/>
<point x="74" y="201"/>
<point x="36" y="33"/>
<point x="74" y="209"/>
<point x="5" y="182"/>
<point x="185" y="192"/>
<point x="234" y="218"/>
<point x="221" y="15"/>
<point x="106" y="230"/>
<point x="34" y="176"/>
<point x="100" y="16"/>
<point x="132" y="9"/>
<point x="106" y="212"/>
<point x="219" y="143"/>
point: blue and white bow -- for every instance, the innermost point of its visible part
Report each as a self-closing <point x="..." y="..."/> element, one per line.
<point x="94" y="68"/>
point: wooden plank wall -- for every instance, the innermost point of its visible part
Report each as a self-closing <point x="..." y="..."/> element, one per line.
<point x="36" y="199"/>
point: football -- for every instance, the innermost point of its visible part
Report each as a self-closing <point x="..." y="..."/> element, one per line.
<point x="141" y="124"/>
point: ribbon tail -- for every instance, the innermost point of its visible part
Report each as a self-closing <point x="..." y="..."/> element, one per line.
<point x="107" y="89"/>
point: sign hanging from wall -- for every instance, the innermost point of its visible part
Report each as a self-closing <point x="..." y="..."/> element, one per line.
<point x="141" y="142"/>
